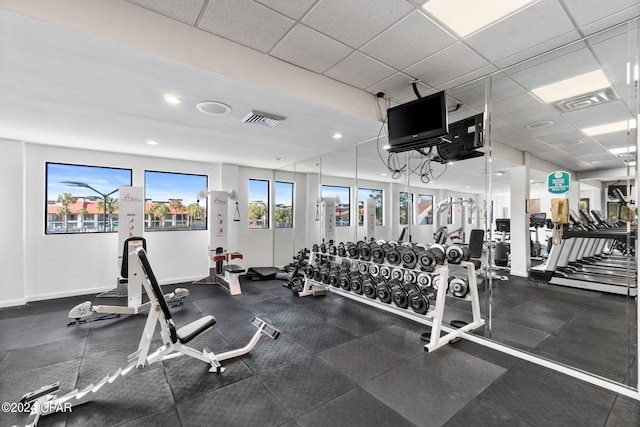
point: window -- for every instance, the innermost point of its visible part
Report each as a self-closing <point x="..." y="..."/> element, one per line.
<point x="171" y="201"/>
<point x="284" y="205"/>
<point x="343" y="198"/>
<point x="79" y="198"/>
<point x="258" y="203"/>
<point x="405" y="200"/>
<point x="425" y="209"/>
<point x="363" y="195"/>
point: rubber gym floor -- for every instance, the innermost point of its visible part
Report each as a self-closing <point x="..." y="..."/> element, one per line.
<point x="337" y="363"/>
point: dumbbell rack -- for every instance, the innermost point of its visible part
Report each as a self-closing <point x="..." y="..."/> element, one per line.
<point x="434" y="316"/>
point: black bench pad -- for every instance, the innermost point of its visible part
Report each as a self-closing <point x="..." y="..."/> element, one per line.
<point x="195" y="328"/>
<point x="233" y="268"/>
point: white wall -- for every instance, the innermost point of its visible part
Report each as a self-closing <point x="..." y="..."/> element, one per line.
<point x="12" y="218"/>
<point x="51" y="266"/>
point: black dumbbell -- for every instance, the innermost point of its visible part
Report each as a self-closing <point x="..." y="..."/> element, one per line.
<point x="377" y="253"/>
<point x="369" y="287"/>
<point x="420" y="299"/>
<point x="383" y="291"/>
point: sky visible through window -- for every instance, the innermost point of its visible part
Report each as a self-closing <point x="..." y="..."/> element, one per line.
<point x="162" y="186"/>
<point x="104" y="180"/>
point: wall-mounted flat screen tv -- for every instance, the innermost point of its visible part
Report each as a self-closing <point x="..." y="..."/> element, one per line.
<point x="417" y="124"/>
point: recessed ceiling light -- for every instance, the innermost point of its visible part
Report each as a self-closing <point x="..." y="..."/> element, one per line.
<point x="635" y="73"/>
<point x="540" y="125"/>
<point x="622" y="150"/>
<point x="468" y="16"/>
<point x="610" y="128"/>
<point x="499" y="173"/>
<point x="213" y="108"/>
<point x="337" y="135"/>
<point x="384" y="174"/>
<point x="171" y="99"/>
<point x="467" y="187"/>
<point x="152" y="142"/>
<point x="577" y="85"/>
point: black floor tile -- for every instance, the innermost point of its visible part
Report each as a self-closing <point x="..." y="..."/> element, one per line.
<point x="269" y="354"/>
<point x="478" y="413"/>
<point x="164" y="418"/>
<point x="142" y="394"/>
<point x="245" y="403"/>
<point x="352" y="409"/>
<point x="25" y="359"/>
<point x="305" y="384"/>
<point x="319" y="337"/>
<point x="625" y="412"/>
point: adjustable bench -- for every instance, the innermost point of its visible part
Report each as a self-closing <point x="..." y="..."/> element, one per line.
<point x="45" y="400"/>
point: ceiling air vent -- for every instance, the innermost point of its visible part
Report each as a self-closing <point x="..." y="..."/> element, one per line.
<point x="586" y="100"/>
<point x="263" y="119"/>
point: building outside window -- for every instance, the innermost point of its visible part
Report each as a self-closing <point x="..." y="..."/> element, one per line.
<point x="425" y="209"/>
<point x="258" y="204"/>
<point x="406" y="200"/>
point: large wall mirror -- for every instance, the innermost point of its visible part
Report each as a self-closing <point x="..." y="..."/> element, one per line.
<point x="538" y="119"/>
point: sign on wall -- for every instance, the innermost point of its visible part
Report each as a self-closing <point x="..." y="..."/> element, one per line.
<point x="558" y="182"/>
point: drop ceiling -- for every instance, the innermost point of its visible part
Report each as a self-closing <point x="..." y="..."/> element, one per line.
<point x="66" y="83"/>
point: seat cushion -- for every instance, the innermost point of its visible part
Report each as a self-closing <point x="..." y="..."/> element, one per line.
<point x="195" y="328"/>
<point x="233" y="268"/>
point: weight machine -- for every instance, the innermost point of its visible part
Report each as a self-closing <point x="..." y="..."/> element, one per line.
<point x="125" y="288"/>
<point x="442" y="234"/>
<point x="45" y="400"/>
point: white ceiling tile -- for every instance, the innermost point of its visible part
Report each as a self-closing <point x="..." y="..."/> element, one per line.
<point x="541" y="22"/>
<point x="586" y="12"/>
<point x="560" y="68"/>
<point x="610" y="112"/>
<point x="245" y="22"/>
<point x="359" y="70"/>
<point x="293" y="9"/>
<point x="453" y="61"/>
<point x="481" y="72"/>
<point x="355" y="22"/>
<point x="309" y="49"/>
<point x="186" y="11"/>
<point x="407" y="42"/>
<point x="398" y="87"/>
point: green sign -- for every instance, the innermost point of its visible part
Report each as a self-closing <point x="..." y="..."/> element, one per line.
<point x="558" y="182"/>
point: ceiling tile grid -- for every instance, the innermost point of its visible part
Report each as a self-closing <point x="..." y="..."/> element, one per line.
<point x="408" y="41"/>
<point x="309" y="49"/>
<point x="293" y="9"/>
<point x="359" y="70"/>
<point x="355" y="22"/>
<point x="246" y="22"/>
<point x="186" y="11"/>
<point x="455" y="60"/>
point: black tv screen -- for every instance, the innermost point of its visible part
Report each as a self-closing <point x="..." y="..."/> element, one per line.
<point x="416" y="123"/>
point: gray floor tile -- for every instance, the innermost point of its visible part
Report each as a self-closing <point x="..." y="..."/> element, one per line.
<point x="189" y="377"/>
<point x="396" y="340"/>
<point x="164" y="418"/>
<point x="440" y="384"/>
<point x="270" y="354"/>
<point x="352" y="409"/>
<point x="305" y="384"/>
<point x="534" y="321"/>
<point x="245" y="403"/>
<point x="320" y="337"/>
<point x="360" y="360"/>
<point x="25" y="359"/>
<point x="521" y="336"/>
<point x="625" y="412"/>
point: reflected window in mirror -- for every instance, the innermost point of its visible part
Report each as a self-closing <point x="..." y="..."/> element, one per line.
<point x="284" y="204"/>
<point x="363" y="195"/>
<point x="343" y="204"/>
<point x="425" y="209"/>
<point x="406" y="201"/>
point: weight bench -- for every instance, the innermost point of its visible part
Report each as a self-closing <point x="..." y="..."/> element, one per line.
<point x="174" y="339"/>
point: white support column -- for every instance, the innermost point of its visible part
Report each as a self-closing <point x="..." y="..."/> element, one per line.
<point x="520" y="246"/>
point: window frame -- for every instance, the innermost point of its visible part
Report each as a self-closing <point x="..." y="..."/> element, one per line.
<point x="154" y="225"/>
<point x="84" y="171"/>
<point x="267" y="204"/>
